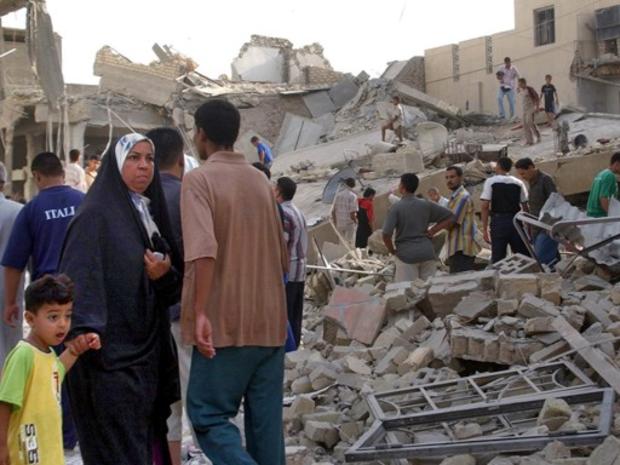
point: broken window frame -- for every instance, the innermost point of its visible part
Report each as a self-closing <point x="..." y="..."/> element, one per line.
<point x="368" y="449"/>
<point x="544" y="26"/>
<point x="479" y="384"/>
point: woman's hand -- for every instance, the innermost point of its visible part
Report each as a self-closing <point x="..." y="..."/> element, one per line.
<point x="156" y="268"/>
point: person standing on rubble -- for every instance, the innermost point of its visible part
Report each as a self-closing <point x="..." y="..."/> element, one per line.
<point x="462" y="245"/>
<point x="296" y="236"/>
<point x="604" y="188"/>
<point x="397" y="120"/>
<point x="551" y="100"/>
<point x="344" y="211"/>
<point x="365" y="217"/>
<point x="411" y="218"/>
<point x="503" y="196"/>
<point x="507" y="77"/>
<point x="264" y="152"/>
<point x="234" y="304"/>
<point x="541" y="188"/>
<point x="74" y="173"/>
<point x="529" y="102"/>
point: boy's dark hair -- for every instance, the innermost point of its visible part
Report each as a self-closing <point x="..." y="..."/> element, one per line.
<point x="507" y="59"/>
<point x="94" y="157"/>
<point x="369" y="192"/>
<point x="260" y="167"/>
<point x="457" y="169"/>
<point x="548" y="76"/>
<point x="168" y="146"/>
<point x="74" y="155"/>
<point x="48" y="290"/>
<point x="523" y="81"/>
<point x="615" y="158"/>
<point x="287" y="188"/>
<point x="505" y="163"/>
<point x="220" y="121"/>
<point x="350" y="182"/>
<point x="410" y="181"/>
<point x="254" y="139"/>
<point x="524" y="164"/>
<point x="396" y="98"/>
<point x="47" y="164"/>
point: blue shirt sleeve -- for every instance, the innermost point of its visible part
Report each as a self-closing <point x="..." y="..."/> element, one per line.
<point x="19" y="247"/>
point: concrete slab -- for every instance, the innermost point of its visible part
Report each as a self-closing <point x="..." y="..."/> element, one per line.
<point x="262" y="64"/>
<point x="411" y="95"/>
<point x="319" y="103"/>
<point x="296" y="133"/>
<point x="357" y="312"/>
<point x="342" y="92"/>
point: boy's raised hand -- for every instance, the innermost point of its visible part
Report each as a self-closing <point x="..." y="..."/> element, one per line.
<point x="83" y="343"/>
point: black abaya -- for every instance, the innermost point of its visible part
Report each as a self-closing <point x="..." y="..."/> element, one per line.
<point x="121" y="394"/>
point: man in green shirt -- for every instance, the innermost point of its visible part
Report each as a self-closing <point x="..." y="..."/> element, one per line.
<point x="604" y="188"/>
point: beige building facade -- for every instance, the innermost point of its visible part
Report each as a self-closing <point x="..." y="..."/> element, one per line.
<point x="576" y="41"/>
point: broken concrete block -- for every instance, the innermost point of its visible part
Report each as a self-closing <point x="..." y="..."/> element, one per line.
<point x="390" y="362"/>
<point x="419" y="326"/>
<point x="301" y="385"/>
<point x="321" y="377"/>
<point x="473" y="306"/>
<point x="322" y="433"/>
<point x="396" y="300"/>
<point x="516" y="264"/>
<point x="319" y="103"/>
<point x="459" y="460"/>
<point x="533" y="307"/>
<point x="549" y="352"/>
<point x="444" y="298"/>
<point x="514" y="286"/>
<point x="467" y="430"/>
<point x="615" y="294"/>
<point x="575" y="315"/>
<point x="302" y="405"/>
<point x="556" y="450"/>
<point x="355" y="365"/>
<point x="342" y="92"/>
<point x="591" y="283"/>
<point x="551" y="287"/>
<point x="539" y="325"/>
<point x="419" y="358"/>
<point x="351" y="431"/>
<point x="554" y="414"/>
<point x="359" y="313"/>
<point x="376" y="244"/>
<point x="607" y="453"/>
<point x="507" y="307"/>
<point x="387" y="337"/>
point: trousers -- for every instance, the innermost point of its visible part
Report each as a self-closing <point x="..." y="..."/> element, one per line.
<point x="295" y="307"/>
<point x="406" y="272"/>
<point x="511" y="102"/>
<point x="216" y="389"/>
<point x="504" y="234"/>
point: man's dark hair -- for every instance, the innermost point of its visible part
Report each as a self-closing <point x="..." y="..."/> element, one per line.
<point x="260" y="167"/>
<point x="350" y="182"/>
<point x="94" y="157"/>
<point x="507" y="59"/>
<point x="410" y="181"/>
<point x="396" y="98"/>
<point x="523" y="81"/>
<point x="505" y="163"/>
<point x="220" y="121"/>
<point x="524" y="164"/>
<point x="615" y="158"/>
<point x="457" y="169"/>
<point x="168" y="146"/>
<point x="369" y="192"/>
<point x="287" y="188"/>
<point x="47" y="164"/>
<point x="254" y="139"/>
<point x="49" y="290"/>
<point x="74" y="155"/>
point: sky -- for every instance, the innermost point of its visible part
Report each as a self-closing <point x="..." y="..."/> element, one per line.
<point x="356" y="34"/>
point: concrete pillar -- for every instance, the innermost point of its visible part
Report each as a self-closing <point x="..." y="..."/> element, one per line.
<point x="75" y="138"/>
<point x="31" y="151"/>
<point x="9" y="133"/>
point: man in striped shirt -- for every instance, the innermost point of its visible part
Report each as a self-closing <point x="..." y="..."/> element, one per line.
<point x="296" y="237"/>
<point x="462" y="246"/>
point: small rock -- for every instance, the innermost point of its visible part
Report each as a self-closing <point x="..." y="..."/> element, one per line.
<point x="554" y="414"/>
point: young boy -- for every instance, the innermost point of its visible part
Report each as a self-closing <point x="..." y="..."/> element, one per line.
<point x="530" y="102"/>
<point x="552" y="101"/>
<point x="30" y="416"/>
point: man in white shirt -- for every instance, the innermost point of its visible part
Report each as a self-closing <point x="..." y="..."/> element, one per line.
<point x="507" y="77"/>
<point x="75" y="176"/>
<point x="435" y="196"/>
<point x="503" y="196"/>
<point x="397" y="120"/>
<point x="344" y="211"/>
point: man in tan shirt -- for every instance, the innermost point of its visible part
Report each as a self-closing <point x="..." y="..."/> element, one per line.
<point x="233" y="306"/>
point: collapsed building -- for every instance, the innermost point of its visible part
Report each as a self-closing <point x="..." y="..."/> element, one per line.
<point x="506" y="365"/>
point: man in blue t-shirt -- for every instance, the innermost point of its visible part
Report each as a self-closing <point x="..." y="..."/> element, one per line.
<point x="264" y="152"/>
<point x="37" y="237"/>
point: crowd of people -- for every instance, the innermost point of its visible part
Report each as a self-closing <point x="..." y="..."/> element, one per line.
<point x="170" y="289"/>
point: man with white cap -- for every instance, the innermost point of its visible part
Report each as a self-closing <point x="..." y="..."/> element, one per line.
<point x="9" y="209"/>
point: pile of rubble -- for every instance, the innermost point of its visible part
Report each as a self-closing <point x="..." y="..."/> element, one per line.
<point x="368" y="341"/>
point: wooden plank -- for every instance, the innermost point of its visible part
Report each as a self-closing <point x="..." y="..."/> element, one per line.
<point x="592" y="355"/>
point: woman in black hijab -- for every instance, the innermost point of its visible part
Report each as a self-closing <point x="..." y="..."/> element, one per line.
<point x="120" y="254"/>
